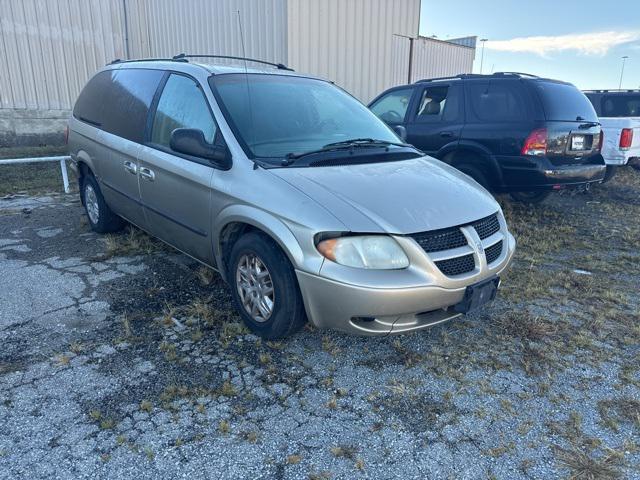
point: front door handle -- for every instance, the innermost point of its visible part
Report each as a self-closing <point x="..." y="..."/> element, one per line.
<point x="131" y="167"/>
<point x="446" y="134"/>
<point x="147" y="173"/>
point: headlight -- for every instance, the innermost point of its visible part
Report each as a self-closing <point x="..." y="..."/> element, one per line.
<point x="365" y="251"/>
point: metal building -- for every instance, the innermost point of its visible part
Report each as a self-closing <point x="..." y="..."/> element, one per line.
<point x="49" y="48"/>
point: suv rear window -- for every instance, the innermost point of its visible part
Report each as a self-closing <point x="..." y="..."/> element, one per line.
<point x="562" y="101"/>
<point x="621" y="105"/>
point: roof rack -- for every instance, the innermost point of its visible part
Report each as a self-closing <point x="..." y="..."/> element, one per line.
<point x="117" y="60"/>
<point x="480" y="75"/>
<point x="614" y="90"/>
<point x="183" y="57"/>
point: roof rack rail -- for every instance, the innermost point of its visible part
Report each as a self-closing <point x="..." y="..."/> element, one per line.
<point x="613" y="90"/>
<point x="478" y="75"/>
<point x="117" y="60"/>
<point x="184" y="57"/>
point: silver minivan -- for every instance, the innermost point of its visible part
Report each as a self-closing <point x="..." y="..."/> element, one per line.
<point x="307" y="204"/>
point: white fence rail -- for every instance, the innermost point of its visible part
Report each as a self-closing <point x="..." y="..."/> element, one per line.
<point x="61" y="159"/>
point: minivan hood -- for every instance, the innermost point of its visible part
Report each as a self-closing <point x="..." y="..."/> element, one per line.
<point x="399" y="197"/>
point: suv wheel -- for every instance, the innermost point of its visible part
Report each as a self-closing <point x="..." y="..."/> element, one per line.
<point x="537" y="196"/>
<point x="474" y="173"/>
<point x="265" y="288"/>
<point x="611" y="171"/>
<point x="101" y="218"/>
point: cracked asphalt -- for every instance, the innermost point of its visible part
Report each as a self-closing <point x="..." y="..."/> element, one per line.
<point x="133" y="364"/>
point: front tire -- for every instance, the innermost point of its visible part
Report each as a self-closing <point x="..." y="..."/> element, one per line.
<point x="101" y="218"/>
<point x="265" y="288"/>
<point x="532" y="197"/>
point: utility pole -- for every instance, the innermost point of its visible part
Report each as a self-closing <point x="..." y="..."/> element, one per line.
<point x="624" y="59"/>
<point x="483" y="40"/>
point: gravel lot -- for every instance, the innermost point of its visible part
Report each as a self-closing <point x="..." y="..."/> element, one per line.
<point x="122" y="358"/>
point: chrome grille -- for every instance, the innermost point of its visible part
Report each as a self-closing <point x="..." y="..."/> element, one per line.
<point x="487" y="226"/>
<point x="493" y="252"/>
<point x="457" y="265"/>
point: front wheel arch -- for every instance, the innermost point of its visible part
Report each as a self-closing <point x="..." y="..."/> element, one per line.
<point x="236" y="220"/>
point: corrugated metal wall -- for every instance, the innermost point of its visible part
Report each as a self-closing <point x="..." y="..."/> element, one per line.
<point x="400" y="59"/>
<point x="350" y="41"/>
<point x="435" y="58"/>
<point x="163" y="28"/>
<point x="49" y="48"/>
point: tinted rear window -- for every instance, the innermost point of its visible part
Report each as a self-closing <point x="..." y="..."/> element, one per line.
<point x="117" y="101"/>
<point x="565" y="102"/>
<point x="621" y="105"/>
<point x="496" y="101"/>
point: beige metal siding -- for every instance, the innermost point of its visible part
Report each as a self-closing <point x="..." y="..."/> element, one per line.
<point x="350" y="41"/>
<point x="163" y="28"/>
<point x="400" y="60"/>
<point x="435" y="58"/>
<point x="49" y="48"/>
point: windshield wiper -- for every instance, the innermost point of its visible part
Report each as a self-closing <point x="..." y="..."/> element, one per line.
<point x="290" y="158"/>
<point x="366" y="142"/>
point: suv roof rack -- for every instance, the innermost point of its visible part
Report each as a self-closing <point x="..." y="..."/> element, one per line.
<point x="183" y="57"/>
<point x="614" y="90"/>
<point x="480" y="75"/>
<point x="117" y="60"/>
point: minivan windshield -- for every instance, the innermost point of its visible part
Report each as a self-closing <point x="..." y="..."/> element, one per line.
<point x="563" y="101"/>
<point x="276" y="116"/>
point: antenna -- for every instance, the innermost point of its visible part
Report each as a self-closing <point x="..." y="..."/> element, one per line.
<point x="246" y="77"/>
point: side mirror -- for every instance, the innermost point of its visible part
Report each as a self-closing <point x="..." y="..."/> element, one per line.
<point x="191" y="141"/>
<point x="401" y="132"/>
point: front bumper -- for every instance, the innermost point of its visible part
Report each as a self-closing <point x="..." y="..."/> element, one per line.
<point x="535" y="173"/>
<point x="371" y="310"/>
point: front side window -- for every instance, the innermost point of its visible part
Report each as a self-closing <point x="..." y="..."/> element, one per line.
<point x="392" y="107"/>
<point x="432" y="104"/>
<point x="181" y="105"/>
<point x="277" y="115"/>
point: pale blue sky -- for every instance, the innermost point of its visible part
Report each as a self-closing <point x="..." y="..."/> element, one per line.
<point x="585" y="38"/>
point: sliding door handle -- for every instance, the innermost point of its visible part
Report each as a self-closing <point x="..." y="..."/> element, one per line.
<point x="147" y="173"/>
<point x="131" y="167"/>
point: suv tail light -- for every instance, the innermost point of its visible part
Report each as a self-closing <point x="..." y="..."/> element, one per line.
<point x="626" y="138"/>
<point x="66" y="135"/>
<point x="600" y="143"/>
<point x="536" y="143"/>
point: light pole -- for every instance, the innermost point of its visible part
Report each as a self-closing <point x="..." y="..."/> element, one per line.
<point x="483" y="40"/>
<point x="624" y="59"/>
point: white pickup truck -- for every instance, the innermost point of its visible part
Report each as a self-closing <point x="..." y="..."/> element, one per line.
<point x="619" y="114"/>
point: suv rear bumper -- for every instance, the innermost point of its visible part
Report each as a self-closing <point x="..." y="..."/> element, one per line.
<point x="539" y="173"/>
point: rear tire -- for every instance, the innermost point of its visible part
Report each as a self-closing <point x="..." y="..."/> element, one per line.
<point x="611" y="171"/>
<point x="475" y="173"/>
<point x="532" y="197"/>
<point x="100" y="216"/>
<point x="265" y="288"/>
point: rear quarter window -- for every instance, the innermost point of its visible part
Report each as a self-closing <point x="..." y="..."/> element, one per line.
<point x="497" y="101"/>
<point x="118" y="101"/>
<point x="564" y="102"/>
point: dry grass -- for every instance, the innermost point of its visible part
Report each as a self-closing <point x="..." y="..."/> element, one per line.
<point x="132" y="241"/>
<point x="621" y="410"/>
<point x="583" y="466"/>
